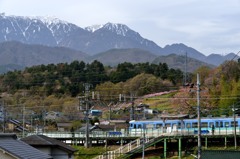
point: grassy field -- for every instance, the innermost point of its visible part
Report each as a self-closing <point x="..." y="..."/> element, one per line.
<point x="161" y="103"/>
<point x="83" y="153"/>
<point x="88" y="153"/>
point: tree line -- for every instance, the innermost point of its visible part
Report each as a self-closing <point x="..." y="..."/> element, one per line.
<point x="69" y="78"/>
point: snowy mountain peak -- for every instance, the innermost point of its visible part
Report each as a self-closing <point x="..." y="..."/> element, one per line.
<point x="120" y="29"/>
<point x="50" y="20"/>
<point x="47" y="20"/>
<point x="52" y="31"/>
<point x="93" y="28"/>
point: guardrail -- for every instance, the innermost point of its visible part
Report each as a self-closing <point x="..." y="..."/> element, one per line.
<point x="139" y="133"/>
<point x="123" y="149"/>
<point x="156" y="134"/>
<point x="149" y="133"/>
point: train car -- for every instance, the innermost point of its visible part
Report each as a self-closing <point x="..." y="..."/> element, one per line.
<point x="208" y="125"/>
<point x="139" y="127"/>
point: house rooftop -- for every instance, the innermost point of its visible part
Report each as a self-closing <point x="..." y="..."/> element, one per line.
<point x="18" y="149"/>
<point x="41" y="140"/>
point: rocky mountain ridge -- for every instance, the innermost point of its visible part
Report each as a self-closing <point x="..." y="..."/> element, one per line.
<point x="53" y="32"/>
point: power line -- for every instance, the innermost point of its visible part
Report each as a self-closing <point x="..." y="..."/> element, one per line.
<point x="235" y="56"/>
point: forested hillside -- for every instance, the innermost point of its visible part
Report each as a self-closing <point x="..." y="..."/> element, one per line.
<point x="68" y="79"/>
<point x="56" y="87"/>
<point x="220" y="90"/>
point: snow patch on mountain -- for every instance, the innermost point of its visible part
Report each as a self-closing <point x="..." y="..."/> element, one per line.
<point x="93" y="28"/>
<point x="119" y="29"/>
<point x="50" y="20"/>
<point x="52" y="31"/>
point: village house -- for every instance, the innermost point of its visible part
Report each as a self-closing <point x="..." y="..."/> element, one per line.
<point x="12" y="148"/>
<point x="50" y="146"/>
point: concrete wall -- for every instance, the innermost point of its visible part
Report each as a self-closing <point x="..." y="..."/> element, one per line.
<point x="60" y="154"/>
<point x="46" y="150"/>
<point x="54" y="152"/>
<point x="5" y="156"/>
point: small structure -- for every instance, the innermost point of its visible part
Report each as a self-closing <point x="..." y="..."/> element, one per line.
<point x="97" y="113"/>
<point x="150" y="111"/>
<point x="52" y="115"/>
<point x="102" y="128"/>
<point x="53" y="147"/>
<point x="119" y="124"/>
<point x="141" y="107"/>
<point x="11" y="148"/>
<point x="15" y="126"/>
<point x="64" y="126"/>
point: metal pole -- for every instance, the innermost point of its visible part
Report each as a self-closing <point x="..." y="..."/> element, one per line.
<point x="199" y="118"/>
<point x="225" y="142"/>
<point x="143" y="144"/>
<point x="185" y="74"/>
<point x="4" y="117"/>
<point x="165" y="148"/>
<point x="23" y="131"/>
<point x="144" y="113"/>
<point x="234" y="119"/>
<point x="31" y="123"/>
<point x="44" y="119"/>
<point x="132" y="108"/>
<point x="206" y="143"/>
<point x="87" y="116"/>
<point x="110" y="111"/>
<point x="180" y="148"/>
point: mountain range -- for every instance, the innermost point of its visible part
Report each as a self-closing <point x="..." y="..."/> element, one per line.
<point x="83" y="43"/>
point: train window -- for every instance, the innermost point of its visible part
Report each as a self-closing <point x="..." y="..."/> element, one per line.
<point x="139" y="126"/>
<point x="188" y="125"/>
<point x="226" y="124"/>
<point x="149" y="126"/>
<point x="194" y="125"/>
<point x="158" y="125"/>
<point x="219" y="124"/>
<point x="168" y="125"/>
<point x="204" y="124"/>
<point x="232" y="123"/>
<point x="211" y="124"/>
<point x="134" y="126"/>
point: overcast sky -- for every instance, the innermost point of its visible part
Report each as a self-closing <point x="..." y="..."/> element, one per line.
<point x="210" y="26"/>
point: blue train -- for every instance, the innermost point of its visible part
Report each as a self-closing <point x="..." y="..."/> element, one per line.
<point x="208" y="125"/>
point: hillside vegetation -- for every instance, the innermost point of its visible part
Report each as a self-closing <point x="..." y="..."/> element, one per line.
<point x="219" y="91"/>
<point x="57" y="88"/>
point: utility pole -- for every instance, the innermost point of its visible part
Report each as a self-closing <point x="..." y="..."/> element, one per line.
<point x="44" y="119"/>
<point x="144" y="113"/>
<point x="109" y="106"/>
<point x="132" y="108"/>
<point x="23" y="123"/>
<point x="4" y="116"/>
<point x="87" y="86"/>
<point x="143" y="143"/>
<point x="185" y="70"/>
<point x="234" y="119"/>
<point x="199" y="118"/>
